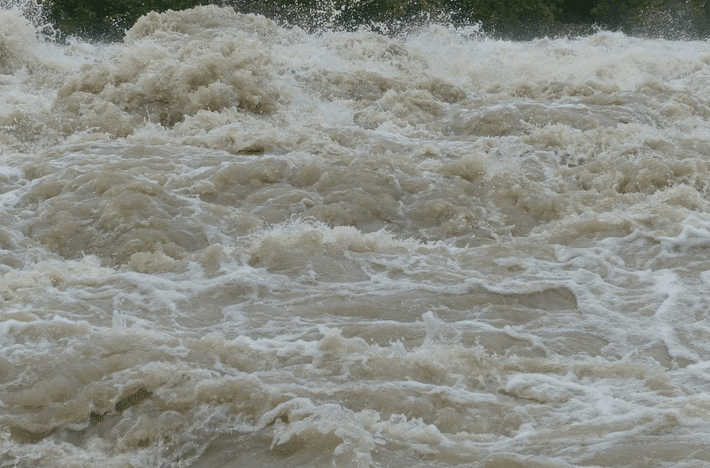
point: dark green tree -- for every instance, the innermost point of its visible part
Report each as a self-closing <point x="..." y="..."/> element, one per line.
<point x="508" y="18"/>
<point x="108" y="19"/>
<point x="505" y="12"/>
<point x="669" y="18"/>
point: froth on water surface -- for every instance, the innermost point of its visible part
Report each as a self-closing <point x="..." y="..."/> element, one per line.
<point x="228" y="243"/>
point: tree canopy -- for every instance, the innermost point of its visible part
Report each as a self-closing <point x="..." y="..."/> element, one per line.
<point x="679" y="18"/>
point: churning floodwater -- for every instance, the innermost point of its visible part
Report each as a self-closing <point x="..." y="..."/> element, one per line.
<point x="225" y="243"/>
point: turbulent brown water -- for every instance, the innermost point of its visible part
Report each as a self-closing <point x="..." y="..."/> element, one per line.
<point x="224" y="243"/>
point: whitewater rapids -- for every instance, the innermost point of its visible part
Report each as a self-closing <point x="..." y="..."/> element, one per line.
<point x="227" y="243"/>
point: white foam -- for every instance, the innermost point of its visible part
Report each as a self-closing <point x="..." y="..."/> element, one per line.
<point x="436" y="248"/>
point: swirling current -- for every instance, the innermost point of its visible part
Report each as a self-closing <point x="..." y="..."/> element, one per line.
<point x="227" y="243"/>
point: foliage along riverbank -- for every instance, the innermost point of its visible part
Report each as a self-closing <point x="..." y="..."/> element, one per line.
<point x="513" y="19"/>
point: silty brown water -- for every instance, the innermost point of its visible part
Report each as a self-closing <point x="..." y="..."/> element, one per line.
<point x="227" y="243"/>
